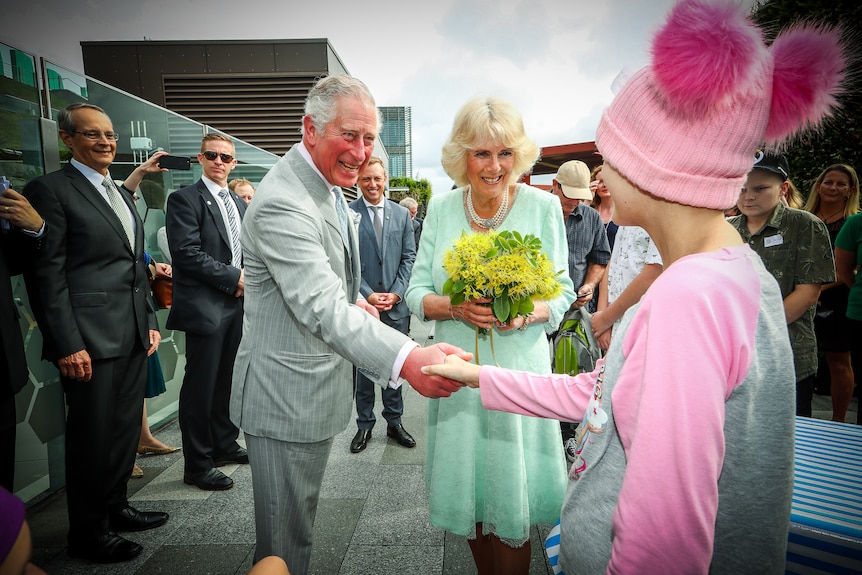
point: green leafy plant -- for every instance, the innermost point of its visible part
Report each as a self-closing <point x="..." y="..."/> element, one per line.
<point x="505" y="267"/>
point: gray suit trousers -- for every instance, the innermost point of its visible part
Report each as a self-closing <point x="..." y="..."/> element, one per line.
<point x="286" y="479"/>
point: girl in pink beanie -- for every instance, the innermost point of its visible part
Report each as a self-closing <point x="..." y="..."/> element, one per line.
<point x="685" y="454"/>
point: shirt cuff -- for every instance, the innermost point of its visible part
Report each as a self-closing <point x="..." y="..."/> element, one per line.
<point x="33" y="234"/>
<point x="395" y="379"/>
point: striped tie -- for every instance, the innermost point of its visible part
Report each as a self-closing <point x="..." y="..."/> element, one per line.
<point x="235" y="245"/>
<point x="120" y="209"/>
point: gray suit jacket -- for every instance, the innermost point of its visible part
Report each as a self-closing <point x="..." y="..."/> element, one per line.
<point x="389" y="270"/>
<point x="292" y="377"/>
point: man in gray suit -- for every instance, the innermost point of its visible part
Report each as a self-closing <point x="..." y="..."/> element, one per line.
<point x="387" y="253"/>
<point x="305" y="323"/>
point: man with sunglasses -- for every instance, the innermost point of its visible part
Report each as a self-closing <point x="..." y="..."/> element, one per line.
<point x="88" y="287"/>
<point x="203" y="223"/>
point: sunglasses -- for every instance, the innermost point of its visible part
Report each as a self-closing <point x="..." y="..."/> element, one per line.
<point x="211" y="156"/>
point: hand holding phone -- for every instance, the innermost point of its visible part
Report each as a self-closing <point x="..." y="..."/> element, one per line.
<point x="175" y="162"/>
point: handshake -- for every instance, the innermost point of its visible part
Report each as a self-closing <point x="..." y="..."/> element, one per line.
<point x="440" y="370"/>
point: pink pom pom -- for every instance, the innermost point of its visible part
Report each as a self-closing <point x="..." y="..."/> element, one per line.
<point x="704" y="54"/>
<point x="809" y="69"/>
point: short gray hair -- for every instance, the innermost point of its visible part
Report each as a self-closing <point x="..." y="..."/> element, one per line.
<point x="408" y="203"/>
<point x="321" y="102"/>
<point x="65" y="121"/>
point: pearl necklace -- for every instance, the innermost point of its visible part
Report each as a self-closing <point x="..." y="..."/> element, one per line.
<point x="487" y="223"/>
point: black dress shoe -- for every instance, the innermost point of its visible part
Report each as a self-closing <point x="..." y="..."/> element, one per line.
<point x="360" y="440"/>
<point x="130" y="519"/>
<point x="238" y="456"/>
<point x="399" y="434"/>
<point x="108" y="548"/>
<point x="210" y="480"/>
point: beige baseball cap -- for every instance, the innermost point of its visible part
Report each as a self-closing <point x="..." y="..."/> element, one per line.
<point x="574" y="178"/>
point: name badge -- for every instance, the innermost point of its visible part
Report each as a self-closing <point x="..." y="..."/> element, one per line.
<point x="771" y="241"/>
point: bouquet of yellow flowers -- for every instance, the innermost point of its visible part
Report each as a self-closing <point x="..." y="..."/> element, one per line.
<point x="509" y="269"/>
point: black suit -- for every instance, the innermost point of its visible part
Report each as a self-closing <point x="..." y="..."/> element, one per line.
<point x="204" y="306"/>
<point x="16" y="248"/>
<point x="88" y="289"/>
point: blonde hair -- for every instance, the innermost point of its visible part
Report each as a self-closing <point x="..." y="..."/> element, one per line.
<point x="851" y="206"/>
<point x="239" y="182"/>
<point x="794" y="196"/>
<point x="215" y="137"/>
<point x="375" y="160"/>
<point x="483" y="119"/>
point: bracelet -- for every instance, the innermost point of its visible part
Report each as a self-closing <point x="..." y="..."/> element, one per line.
<point x="523" y="326"/>
<point x="451" y="312"/>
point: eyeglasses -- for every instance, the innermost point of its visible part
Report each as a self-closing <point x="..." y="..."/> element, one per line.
<point x="211" y="156"/>
<point x="96" y="136"/>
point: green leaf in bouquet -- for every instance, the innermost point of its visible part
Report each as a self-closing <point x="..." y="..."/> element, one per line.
<point x="447" y="286"/>
<point x="457" y="298"/>
<point x="501" y="308"/>
<point x="514" y="307"/>
<point x="527" y="306"/>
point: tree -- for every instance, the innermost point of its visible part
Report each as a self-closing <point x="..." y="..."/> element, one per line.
<point x="840" y="139"/>
<point x="419" y="190"/>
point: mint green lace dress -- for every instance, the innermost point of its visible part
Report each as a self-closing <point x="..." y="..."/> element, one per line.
<point x="503" y="470"/>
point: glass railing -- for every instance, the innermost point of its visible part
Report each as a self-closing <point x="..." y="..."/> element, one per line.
<point x="144" y="128"/>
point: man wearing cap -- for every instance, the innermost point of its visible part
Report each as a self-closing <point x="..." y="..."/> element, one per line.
<point x="794" y="246"/>
<point x="589" y="251"/>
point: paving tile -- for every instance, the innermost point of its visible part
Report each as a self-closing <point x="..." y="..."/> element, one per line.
<point x="208" y="559"/>
<point x="392" y="559"/>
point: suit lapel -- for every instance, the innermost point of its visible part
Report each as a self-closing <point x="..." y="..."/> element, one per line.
<point x="214" y="210"/>
<point x="92" y="195"/>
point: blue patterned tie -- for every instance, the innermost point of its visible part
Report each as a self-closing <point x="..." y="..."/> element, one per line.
<point x="342" y="216"/>
<point x="235" y="245"/>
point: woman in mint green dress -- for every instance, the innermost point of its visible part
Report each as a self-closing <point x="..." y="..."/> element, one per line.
<point x="491" y="475"/>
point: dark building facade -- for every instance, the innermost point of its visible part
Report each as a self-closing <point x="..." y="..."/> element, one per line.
<point x="252" y="89"/>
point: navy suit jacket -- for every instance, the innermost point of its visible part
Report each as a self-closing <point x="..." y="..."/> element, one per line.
<point x="16" y="250"/>
<point x="204" y="278"/>
<point x="87" y="284"/>
<point x="387" y="270"/>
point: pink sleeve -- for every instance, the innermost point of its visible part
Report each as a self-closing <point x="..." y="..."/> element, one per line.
<point x="668" y="407"/>
<point x="554" y="396"/>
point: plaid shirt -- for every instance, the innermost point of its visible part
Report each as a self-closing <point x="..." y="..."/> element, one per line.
<point x="795" y="248"/>
<point x="588" y="244"/>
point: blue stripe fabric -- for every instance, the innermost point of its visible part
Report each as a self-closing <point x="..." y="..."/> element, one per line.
<point x="826" y="512"/>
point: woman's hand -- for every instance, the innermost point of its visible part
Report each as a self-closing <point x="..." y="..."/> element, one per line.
<point x="455" y="369"/>
<point x="477" y="312"/>
<point x="162" y="270"/>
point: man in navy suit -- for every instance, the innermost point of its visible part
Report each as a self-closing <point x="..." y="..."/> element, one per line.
<point x="203" y="223"/>
<point x="386" y="253"/>
<point x="88" y="288"/>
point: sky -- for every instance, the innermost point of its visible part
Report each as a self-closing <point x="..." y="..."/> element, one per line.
<point x="555" y="60"/>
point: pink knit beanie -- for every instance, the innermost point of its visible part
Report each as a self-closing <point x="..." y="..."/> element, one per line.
<point x="686" y="127"/>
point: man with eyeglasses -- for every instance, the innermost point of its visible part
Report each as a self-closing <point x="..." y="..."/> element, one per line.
<point x="203" y="223"/>
<point x="88" y="288"/>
